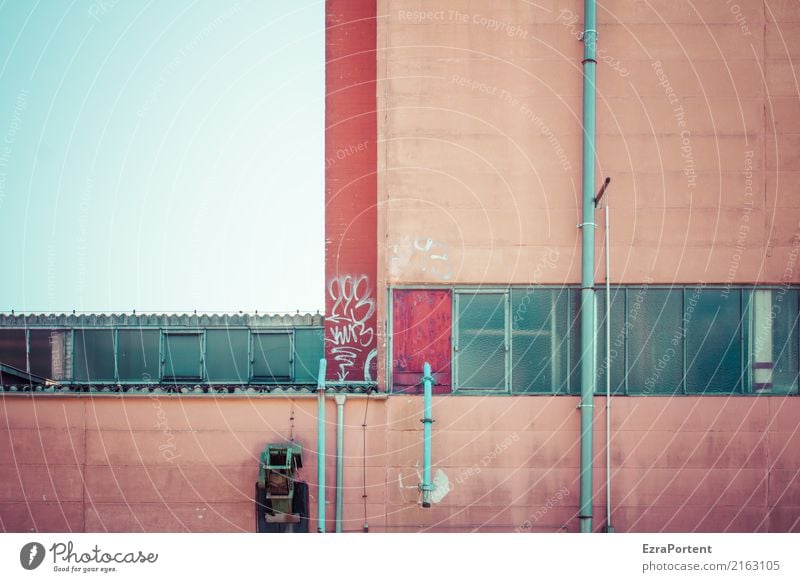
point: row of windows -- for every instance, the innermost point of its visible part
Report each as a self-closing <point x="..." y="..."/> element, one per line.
<point x="663" y="340"/>
<point x="228" y="355"/>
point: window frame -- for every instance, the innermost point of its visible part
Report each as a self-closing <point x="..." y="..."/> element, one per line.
<point x="573" y="373"/>
<point x="167" y="379"/>
<point x="507" y="345"/>
<point x="252" y="378"/>
<point x="73" y="356"/>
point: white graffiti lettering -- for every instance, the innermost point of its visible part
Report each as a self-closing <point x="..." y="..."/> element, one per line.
<point x="350" y="331"/>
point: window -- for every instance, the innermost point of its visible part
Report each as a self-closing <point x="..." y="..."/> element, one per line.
<point x="481" y="346"/>
<point x="48" y="351"/>
<point x="713" y="324"/>
<point x="226" y="355"/>
<point x="308" y="351"/>
<point x="138" y="355"/>
<point x="539" y="348"/>
<point x="183" y="356"/>
<point x="94" y="355"/>
<point x="14" y="348"/>
<point x="272" y="356"/>
<point x="774" y="340"/>
<point x="654" y="341"/>
<point x="616" y="327"/>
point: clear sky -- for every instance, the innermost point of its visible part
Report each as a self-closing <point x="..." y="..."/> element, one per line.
<point x="161" y="155"/>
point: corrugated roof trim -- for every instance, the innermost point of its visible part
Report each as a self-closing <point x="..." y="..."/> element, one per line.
<point x="184" y="389"/>
<point x="161" y="319"/>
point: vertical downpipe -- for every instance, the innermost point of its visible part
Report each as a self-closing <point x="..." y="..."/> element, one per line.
<point x="588" y="363"/>
<point x="340" y="400"/>
<point x="321" y="446"/>
<point x="427" y="384"/>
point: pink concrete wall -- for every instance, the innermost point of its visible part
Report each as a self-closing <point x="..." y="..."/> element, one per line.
<point x="697" y="125"/>
<point x="189" y="464"/>
<point x="479" y="182"/>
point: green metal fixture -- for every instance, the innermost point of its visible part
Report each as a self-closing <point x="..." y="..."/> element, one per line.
<point x="323" y="364"/>
<point x="281" y="500"/>
<point x="427" y="485"/>
<point x="588" y="226"/>
<point x="340" y="400"/>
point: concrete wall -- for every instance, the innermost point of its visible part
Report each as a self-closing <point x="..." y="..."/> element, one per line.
<point x="189" y="464"/>
<point x="147" y="464"/>
<point x="479" y="182"/>
<point x="481" y="140"/>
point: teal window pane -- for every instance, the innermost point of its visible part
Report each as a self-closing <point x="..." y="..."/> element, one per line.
<point x="48" y="353"/>
<point x="618" y="341"/>
<point x="182" y="356"/>
<point x="655" y="341"/>
<point x="785" y="341"/>
<point x="13" y="348"/>
<point x="308" y="351"/>
<point x="574" y="341"/>
<point x="713" y="324"/>
<point x="272" y="356"/>
<point x="227" y="355"/>
<point x="539" y="340"/>
<point x="481" y="341"/>
<point x="773" y="341"/>
<point x="94" y="355"/>
<point x="138" y="355"/>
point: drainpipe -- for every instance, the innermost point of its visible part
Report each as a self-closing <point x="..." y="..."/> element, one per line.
<point x="588" y="364"/>
<point x="321" y="446"/>
<point x="426" y="486"/>
<point x="340" y="400"/>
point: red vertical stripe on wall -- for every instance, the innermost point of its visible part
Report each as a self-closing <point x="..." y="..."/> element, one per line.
<point x="351" y="190"/>
<point x="421" y="329"/>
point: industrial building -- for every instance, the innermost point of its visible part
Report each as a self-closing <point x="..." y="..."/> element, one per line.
<point x="614" y="355"/>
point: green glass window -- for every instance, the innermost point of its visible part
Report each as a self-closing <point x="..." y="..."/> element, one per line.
<point x="774" y="340"/>
<point x="481" y="344"/>
<point x="574" y="341"/>
<point x="138" y="355"/>
<point x="272" y="356"/>
<point x="13" y="348"/>
<point x="94" y="355"/>
<point x="183" y="356"/>
<point x="618" y="342"/>
<point x="713" y="323"/>
<point x="785" y="342"/>
<point x="48" y="350"/>
<point x="308" y="351"/>
<point x="655" y="341"/>
<point x="539" y="340"/>
<point x="227" y="355"/>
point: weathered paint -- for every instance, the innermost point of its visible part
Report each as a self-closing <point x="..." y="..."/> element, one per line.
<point x="350" y="191"/>
<point x="481" y="125"/>
<point x="421" y="332"/>
<point x="189" y="464"/>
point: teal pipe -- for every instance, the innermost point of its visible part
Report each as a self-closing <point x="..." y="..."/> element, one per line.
<point x="588" y="364"/>
<point x="427" y="485"/>
<point x="321" y="446"/>
<point x="340" y="400"/>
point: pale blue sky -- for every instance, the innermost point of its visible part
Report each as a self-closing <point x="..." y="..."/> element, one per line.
<point x="161" y="156"/>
